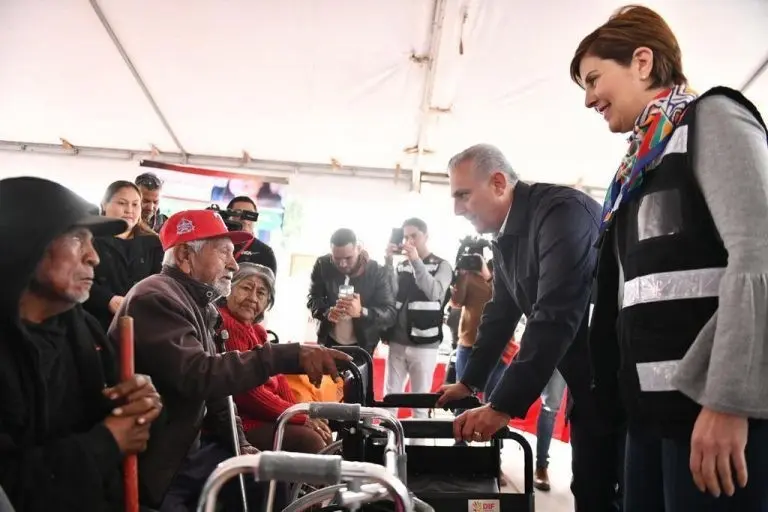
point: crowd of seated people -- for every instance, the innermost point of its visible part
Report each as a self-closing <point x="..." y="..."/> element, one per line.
<point x="66" y="419"/>
<point x="199" y="337"/>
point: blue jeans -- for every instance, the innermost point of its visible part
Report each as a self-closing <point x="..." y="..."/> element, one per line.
<point x="658" y="477"/>
<point x="494" y="378"/>
<point x="462" y="358"/>
<point x="551" y="398"/>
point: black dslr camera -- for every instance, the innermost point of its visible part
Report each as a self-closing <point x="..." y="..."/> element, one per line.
<point x="232" y="218"/>
<point x="470" y="254"/>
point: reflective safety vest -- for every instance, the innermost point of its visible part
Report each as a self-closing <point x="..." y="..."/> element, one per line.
<point x="424" y="317"/>
<point x="658" y="275"/>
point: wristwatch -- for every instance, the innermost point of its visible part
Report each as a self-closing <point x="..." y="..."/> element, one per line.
<point x="472" y="390"/>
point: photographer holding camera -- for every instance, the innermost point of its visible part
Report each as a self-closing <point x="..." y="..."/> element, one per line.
<point x="241" y="215"/>
<point x="470" y="291"/>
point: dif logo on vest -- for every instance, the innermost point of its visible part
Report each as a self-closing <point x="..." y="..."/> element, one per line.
<point x="484" y="506"/>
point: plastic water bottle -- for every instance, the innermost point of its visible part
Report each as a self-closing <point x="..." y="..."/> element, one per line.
<point x="346" y="291"/>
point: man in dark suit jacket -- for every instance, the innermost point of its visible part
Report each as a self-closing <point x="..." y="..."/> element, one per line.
<point x="545" y="259"/>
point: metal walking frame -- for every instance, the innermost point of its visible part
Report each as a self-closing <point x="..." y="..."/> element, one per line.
<point x="395" y="461"/>
<point x="316" y="469"/>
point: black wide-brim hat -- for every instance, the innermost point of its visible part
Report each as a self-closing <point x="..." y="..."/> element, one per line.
<point x="42" y="204"/>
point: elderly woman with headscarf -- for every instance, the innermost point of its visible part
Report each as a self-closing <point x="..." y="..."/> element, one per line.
<point x="253" y="293"/>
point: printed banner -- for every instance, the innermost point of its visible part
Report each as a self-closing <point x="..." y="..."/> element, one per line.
<point x="186" y="187"/>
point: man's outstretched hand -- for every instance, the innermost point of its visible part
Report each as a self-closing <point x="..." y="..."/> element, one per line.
<point x="317" y="361"/>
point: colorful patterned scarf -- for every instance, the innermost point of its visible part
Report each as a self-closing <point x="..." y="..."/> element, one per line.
<point x="647" y="142"/>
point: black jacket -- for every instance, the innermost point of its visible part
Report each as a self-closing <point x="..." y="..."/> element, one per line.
<point x="55" y="453"/>
<point x="123" y="264"/>
<point x="544" y="260"/>
<point x="376" y="294"/>
<point x="257" y="252"/>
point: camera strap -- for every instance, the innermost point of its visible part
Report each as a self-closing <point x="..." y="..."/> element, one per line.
<point x="245" y="248"/>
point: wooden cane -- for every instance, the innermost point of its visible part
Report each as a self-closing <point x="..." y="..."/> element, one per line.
<point x="127" y="369"/>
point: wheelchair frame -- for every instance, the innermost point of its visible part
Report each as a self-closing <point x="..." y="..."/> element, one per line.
<point x="464" y="463"/>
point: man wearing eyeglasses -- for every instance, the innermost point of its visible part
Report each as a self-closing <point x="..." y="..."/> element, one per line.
<point x="151" y="186"/>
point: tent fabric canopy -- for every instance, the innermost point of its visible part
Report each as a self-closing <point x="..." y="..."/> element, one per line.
<point x="369" y="83"/>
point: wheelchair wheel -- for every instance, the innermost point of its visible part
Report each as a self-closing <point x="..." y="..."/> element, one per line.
<point x="300" y="489"/>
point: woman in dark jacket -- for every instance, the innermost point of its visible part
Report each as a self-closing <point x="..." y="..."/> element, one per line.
<point x="127" y="258"/>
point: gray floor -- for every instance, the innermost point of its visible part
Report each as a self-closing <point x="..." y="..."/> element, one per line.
<point x="559" y="499"/>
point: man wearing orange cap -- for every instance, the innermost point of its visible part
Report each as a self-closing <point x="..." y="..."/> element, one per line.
<point x="175" y="344"/>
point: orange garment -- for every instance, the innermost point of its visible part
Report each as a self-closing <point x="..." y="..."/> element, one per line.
<point x="304" y="391"/>
<point x="265" y="403"/>
<point x="471" y="292"/>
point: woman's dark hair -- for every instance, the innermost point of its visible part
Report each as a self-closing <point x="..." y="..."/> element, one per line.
<point x="116" y="187"/>
<point x="242" y="199"/>
<point x="141" y="228"/>
<point x="629" y="28"/>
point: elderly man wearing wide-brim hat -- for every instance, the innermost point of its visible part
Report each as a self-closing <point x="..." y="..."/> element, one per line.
<point x="65" y="421"/>
<point x="175" y="319"/>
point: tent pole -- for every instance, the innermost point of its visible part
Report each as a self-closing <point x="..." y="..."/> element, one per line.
<point x="757" y="74"/>
<point x="436" y="35"/>
<point x="136" y="76"/>
<point x="274" y="169"/>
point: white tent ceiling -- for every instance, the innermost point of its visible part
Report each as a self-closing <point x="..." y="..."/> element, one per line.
<point x="368" y="83"/>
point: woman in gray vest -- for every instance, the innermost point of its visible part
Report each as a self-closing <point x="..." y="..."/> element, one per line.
<point x="679" y="338"/>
